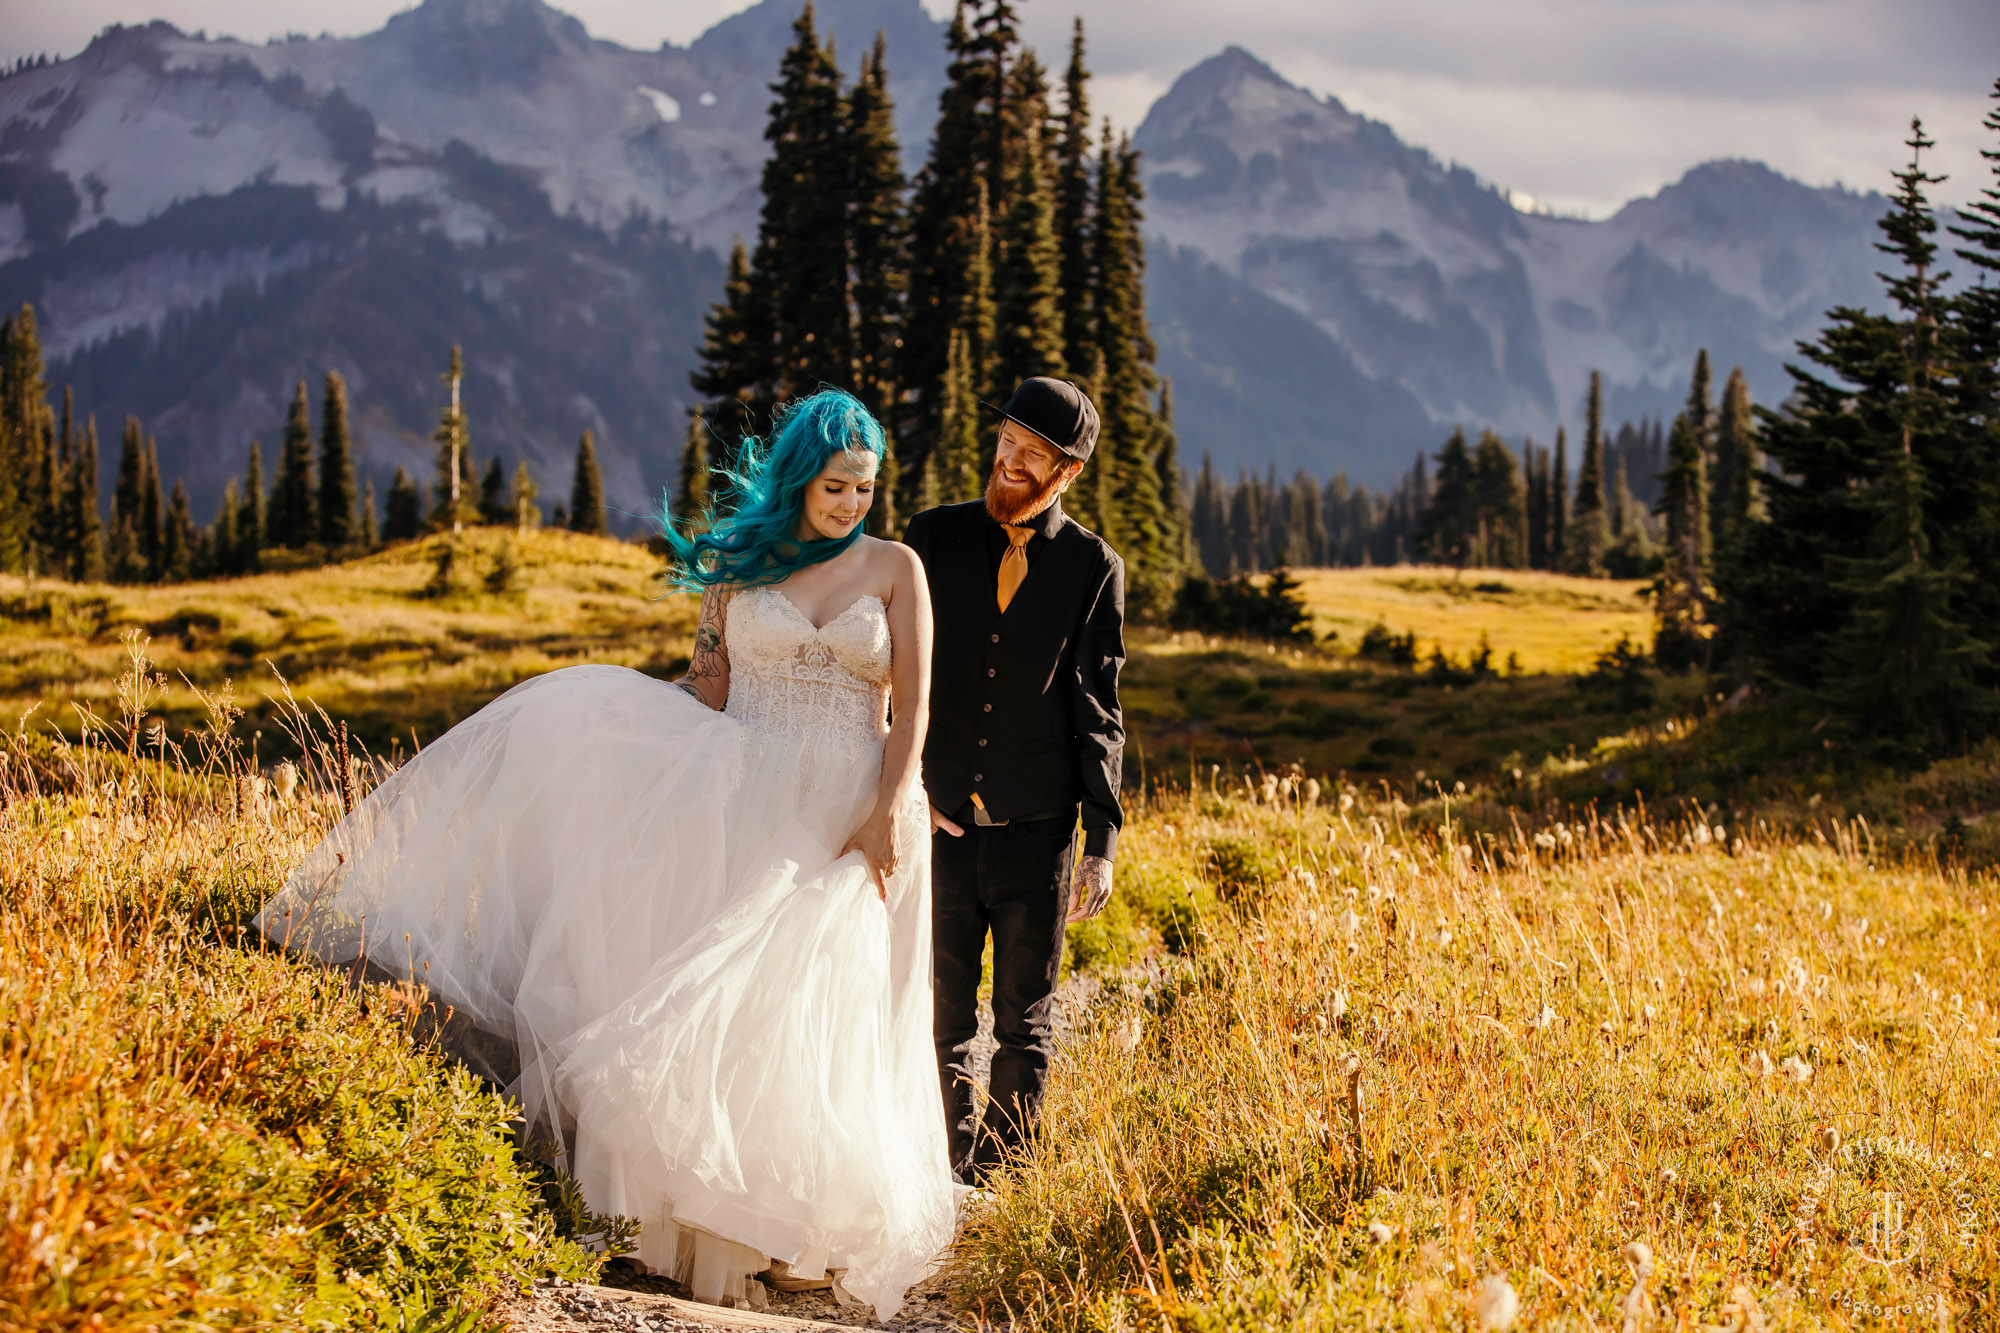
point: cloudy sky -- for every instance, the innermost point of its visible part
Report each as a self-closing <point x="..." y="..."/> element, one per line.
<point x="1578" y="104"/>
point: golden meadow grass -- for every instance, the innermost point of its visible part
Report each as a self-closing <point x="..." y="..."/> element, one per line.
<point x="1734" y="1050"/>
<point x="1570" y="1040"/>
<point x="194" y="1132"/>
<point x="364" y="640"/>
<point x="1553" y="621"/>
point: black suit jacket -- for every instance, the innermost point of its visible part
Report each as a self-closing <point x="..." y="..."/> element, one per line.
<point x="1024" y="706"/>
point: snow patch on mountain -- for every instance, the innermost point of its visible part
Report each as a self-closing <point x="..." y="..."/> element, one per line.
<point x="663" y="104"/>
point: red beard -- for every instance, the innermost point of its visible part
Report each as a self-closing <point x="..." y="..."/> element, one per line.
<point x="1009" y="503"/>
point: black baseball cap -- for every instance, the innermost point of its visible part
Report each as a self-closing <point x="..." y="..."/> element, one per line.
<point x="1057" y="411"/>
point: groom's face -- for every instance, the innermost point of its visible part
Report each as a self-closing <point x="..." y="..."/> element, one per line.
<point x="1028" y="474"/>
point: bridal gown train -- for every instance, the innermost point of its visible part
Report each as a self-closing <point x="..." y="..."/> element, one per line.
<point x="730" y="1027"/>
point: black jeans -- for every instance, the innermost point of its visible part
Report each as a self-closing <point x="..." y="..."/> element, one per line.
<point x="1013" y="881"/>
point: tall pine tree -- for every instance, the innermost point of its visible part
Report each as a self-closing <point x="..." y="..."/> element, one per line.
<point x="801" y="252"/>
<point x="1028" y="279"/>
<point x="586" y="490"/>
<point x="691" y="486"/>
<point x="1072" y="211"/>
<point x="337" y="525"/>
<point x="947" y="255"/>
<point x="1586" y="535"/>
<point x="1682" y="594"/>
<point x="293" y="518"/>
<point x="81" y="522"/>
<point x="454" y="502"/>
<point x="1907" y="667"/>
<point x="251" y="518"/>
<point x="878" y="254"/>
<point x="735" y="373"/>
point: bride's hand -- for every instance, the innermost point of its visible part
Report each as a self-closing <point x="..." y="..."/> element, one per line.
<point x="876" y="841"/>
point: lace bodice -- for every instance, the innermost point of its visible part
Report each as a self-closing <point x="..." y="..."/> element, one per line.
<point x="831" y="683"/>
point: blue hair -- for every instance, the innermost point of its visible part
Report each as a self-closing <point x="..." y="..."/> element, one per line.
<point x="755" y="541"/>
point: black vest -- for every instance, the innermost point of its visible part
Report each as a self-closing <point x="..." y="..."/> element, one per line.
<point x="1024" y="705"/>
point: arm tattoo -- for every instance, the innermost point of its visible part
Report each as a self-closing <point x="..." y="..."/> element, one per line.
<point x="710" y="658"/>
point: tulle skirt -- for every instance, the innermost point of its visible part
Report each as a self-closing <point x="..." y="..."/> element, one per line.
<point x="715" y="1011"/>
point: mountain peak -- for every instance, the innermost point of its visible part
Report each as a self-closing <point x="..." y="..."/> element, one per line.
<point x="1233" y="93"/>
<point x="462" y="45"/>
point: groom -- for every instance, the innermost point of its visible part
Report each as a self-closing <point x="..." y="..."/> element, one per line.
<point x="1025" y="729"/>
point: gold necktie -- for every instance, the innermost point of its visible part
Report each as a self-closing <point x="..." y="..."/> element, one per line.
<point x="1013" y="562"/>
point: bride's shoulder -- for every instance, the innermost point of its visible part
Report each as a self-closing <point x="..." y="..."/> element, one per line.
<point x="896" y="564"/>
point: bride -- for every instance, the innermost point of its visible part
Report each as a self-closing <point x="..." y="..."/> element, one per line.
<point x="700" y="910"/>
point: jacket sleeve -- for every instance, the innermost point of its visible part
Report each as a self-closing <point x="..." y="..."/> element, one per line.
<point x="1100" y="722"/>
<point x="917" y="536"/>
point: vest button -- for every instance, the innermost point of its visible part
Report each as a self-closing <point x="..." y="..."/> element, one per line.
<point x="982" y="742"/>
<point x="987" y="707"/>
<point x="996" y="638"/>
<point x="979" y="777"/>
<point x="990" y="672"/>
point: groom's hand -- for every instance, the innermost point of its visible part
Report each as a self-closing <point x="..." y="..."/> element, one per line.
<point x="1092" y="890"/>
<point x="938" y="821"/>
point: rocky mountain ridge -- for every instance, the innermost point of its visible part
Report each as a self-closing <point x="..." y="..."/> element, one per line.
<point x="203" y="222"/>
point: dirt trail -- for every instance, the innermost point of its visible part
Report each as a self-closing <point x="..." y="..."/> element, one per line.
<point x="633" y="1302"/>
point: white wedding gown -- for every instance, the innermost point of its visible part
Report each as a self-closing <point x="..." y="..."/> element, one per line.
<point x="730" y="1027"/>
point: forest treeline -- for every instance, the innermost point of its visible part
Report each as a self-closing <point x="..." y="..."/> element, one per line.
<point x="52" y="519"/>
<point x="1016" y="251"/>
<point x="1470" y="505"/>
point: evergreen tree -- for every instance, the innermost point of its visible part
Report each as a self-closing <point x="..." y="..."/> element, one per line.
<point x="127" y="562"/>
<point x="1700" y="412"/>
<point x="222" y="544"/>
<point x="293" y="521"/>
<point x="152" y="514"/>
<point x="403" y="518"/>
<point x="586" y="491"/>
<point x="691" y="493"/>
<point x="81" y="523"/>
<point x="371" y="532"/>
<point x="956" y="463"/>
<point x="57" y="539"/>
<point x="250" y="521"/>
<point x="1586" y="534"/>
<point x="996" y="36"/>
<point x="1889" y="639"/>
<point x="1967" y="511"/>
<point x="802" y="236"/>
<point x="25" y="439"/>
<point x="177" y="539"/>
<point x="947" y="256"/>
<point x="453" y="503"/>
<point x="1682" y="594"/>
<point x="1534" y="466"/>
<point x="735" y="372"/>
<point x="493" y="507"/>
<point x="1028" y="316"/>
<point x="1452" y="521"/>
<point x="1907" y="666"/>
<point x="1559" y="504"/>
<point x="878" y="253"/>
<point x="337" y="526"/>
<point x="1502" y="503"/>
<point x="1072" y="211"/>
<point x="1210" y="522"/>
<point x="1139" y="525"/>
<point x="524" y="499"/>
<point x="1737" y="463"/>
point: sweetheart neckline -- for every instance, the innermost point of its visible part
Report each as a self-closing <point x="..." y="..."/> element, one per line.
<point x="837" y="617"/>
